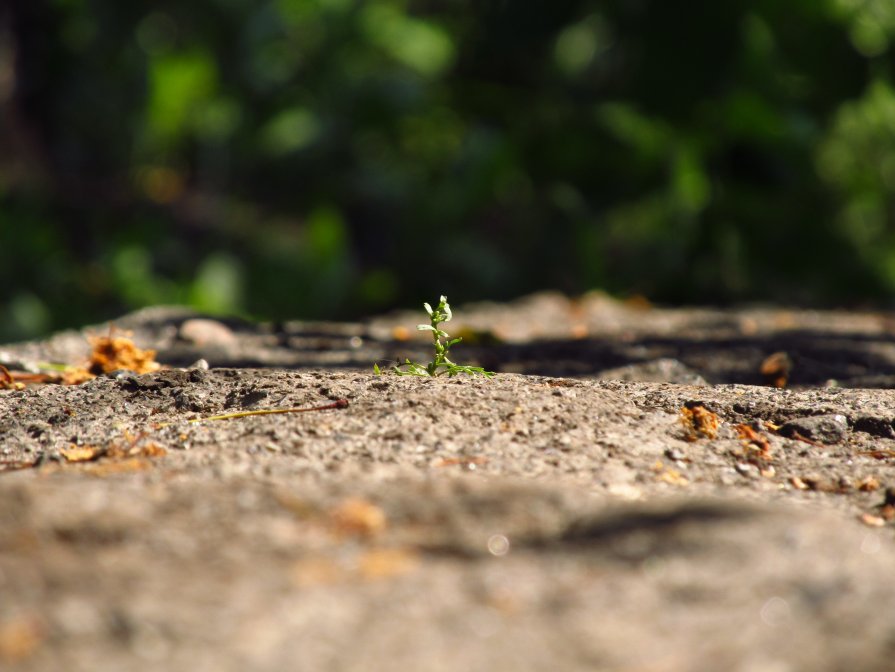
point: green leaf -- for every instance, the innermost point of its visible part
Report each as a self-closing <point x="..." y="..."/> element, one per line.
<point x="440" y="364"/>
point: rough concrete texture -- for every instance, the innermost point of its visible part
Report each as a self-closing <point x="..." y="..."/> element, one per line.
<point x="623" y="495"/>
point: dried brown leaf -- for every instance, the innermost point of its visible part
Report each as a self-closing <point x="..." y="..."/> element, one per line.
<point x="868" y="484"/>
<point x="111" y="353"/>
<point x="81" y="453"/>
<point x="699" y="422"/>
<point x="7" y="382"/>
<point x="776" y="368"/>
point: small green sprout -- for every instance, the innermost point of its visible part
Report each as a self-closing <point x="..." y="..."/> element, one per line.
<point x="440" y="364"/>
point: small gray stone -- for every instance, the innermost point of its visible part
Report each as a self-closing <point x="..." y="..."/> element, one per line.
<point x="827" y="429"/>
<point x="199" y="365"/>
<point x="664" y="370"/>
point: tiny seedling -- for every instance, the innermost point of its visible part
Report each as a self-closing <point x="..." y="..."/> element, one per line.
<point x="440" y="364"/>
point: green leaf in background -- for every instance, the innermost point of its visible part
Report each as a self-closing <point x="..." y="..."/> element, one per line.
<point x="299" y="158"/>
<point x="179" y="84"/>
<point x="420" y="44"/>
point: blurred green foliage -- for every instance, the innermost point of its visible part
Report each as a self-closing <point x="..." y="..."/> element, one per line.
<point x="330" y="158"/>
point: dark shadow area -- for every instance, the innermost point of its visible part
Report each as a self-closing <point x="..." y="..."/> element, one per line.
<point x="814" y="357"/>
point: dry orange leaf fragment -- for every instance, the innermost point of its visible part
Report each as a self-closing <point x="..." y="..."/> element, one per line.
<point x="19" y="639"/>
<point x="879" y="454"/>
<point x="76" y="376"/>
<point x="81" y="453"/>
<point x="868" y="484"/>
<point x="7" y="382"/>
<point x="673" y="477"/>
<point x="775" y="369"/>
<point x="358" y="517"/>
<point x="153" y="450"/>
<point x="887" y="508"/>
<point x="111" y="353"/>
<point x="384" y="563"/>
<point x="699" y="422"/>
<point x="149" y="450"/>
<point x="401" y="334"/>
<point x="116" y="458"/>
<point x="758" y="445"/>
<point x="666" y="474"/>
<point x="126" y="466"/>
